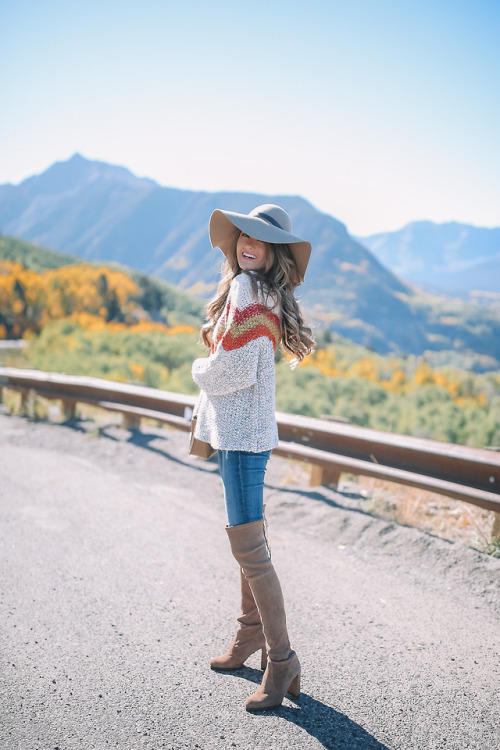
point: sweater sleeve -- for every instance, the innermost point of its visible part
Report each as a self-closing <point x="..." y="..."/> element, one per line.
<point x="239" y="337"/>
<point x="225" y="372"/>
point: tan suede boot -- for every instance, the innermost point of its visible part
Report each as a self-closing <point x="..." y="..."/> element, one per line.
<point x="249" y="637"/>
<point x="279" y="678"/>
<point x="249" y="548"/>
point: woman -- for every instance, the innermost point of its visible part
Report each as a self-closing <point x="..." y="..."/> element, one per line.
<point x="254" y="310"/>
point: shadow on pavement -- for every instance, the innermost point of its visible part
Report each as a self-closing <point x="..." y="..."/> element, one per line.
<point x="320" y="497"/>
<point x="142" y="440"/>
<point x="331" y="728"/>
<point x="311" y="494"/>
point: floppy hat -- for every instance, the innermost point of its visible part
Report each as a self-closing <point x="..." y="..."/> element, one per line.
<point x="267" y="223"/>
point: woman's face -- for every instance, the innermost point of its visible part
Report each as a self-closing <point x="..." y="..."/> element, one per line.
<point x="250" y="253"/>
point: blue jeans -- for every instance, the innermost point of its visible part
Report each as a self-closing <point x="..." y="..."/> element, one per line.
<point x="242" y="475"/>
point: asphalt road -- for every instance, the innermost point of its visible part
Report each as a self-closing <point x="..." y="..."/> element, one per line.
<point x="117" y="585"/>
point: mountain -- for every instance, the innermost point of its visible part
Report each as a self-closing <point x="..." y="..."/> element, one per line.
<point x="453" y="258"/>
<point x="103" y="212"/>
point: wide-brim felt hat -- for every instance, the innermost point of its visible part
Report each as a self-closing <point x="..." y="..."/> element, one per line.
<point x="267" y="223"/>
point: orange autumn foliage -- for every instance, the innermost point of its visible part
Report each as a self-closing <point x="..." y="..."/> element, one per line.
<point x="97" y="299"/>
<point x="29" y="299"/>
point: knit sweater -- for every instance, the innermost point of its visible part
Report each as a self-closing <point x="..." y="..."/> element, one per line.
<point x="235" y="409"/>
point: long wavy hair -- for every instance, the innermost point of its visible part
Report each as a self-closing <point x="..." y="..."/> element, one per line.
<point x="278" y="280"/>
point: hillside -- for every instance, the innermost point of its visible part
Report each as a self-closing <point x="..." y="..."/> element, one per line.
<point x="453" y="258"/>
<point x="103" y="213"/>
<point x="161" y="301"/>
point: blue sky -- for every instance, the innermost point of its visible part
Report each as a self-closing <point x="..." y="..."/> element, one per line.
<point x="379" y="113"/>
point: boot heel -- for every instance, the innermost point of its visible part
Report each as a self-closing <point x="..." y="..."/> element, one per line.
<point x="294" y="688"/>
<point x="263" y="658"/>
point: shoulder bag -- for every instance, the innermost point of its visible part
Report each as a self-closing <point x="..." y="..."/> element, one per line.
<point x="199" y="448"/>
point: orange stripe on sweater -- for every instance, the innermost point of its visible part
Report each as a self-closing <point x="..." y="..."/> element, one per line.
<point x="247" y="325"/>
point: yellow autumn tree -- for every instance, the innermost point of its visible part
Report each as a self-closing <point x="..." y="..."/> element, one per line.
<point x="364" y="368"/>
<point x="28" y="300"/>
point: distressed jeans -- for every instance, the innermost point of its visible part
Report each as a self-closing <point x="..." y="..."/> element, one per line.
<point x="242" y="476"/>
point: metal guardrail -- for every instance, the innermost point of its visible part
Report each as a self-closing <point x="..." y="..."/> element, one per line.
<point x="468" y="474"/>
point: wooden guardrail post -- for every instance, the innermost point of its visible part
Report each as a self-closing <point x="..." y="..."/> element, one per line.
<point x="25" y="398"/>
<point x="131" y="422"/>
<point x="68" y="409"/>
<point x="322" y="475"/>
<point x="495" y="530"/>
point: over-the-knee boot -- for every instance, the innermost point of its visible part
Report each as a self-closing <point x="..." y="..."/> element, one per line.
<point x="249" y="637"/>
<point x="282" y="675"/>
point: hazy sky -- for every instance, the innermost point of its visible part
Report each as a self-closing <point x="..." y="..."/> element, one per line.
<point x="378" y="112"/>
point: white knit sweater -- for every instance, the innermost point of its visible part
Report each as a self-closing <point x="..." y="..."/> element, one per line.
<point x="235" y="410"/>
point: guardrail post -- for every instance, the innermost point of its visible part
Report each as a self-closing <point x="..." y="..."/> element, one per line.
<point x="131" y="422"/>
<point x="25" y="397"/>
<point x="495" y="530"/>
<point x="68" y="409"/>
<point x="321" y="475"/>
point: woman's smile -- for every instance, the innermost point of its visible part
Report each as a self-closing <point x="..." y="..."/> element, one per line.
<point x="251" y="253"/>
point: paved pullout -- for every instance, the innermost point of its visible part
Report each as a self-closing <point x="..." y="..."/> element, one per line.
<point x="117" y="585"/>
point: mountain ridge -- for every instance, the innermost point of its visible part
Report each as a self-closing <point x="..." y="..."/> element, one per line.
<point x="103" y="212"/>
<point x="451" y="257"/>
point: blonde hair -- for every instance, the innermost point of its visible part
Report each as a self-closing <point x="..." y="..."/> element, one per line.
<point x="278" y="279"/>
